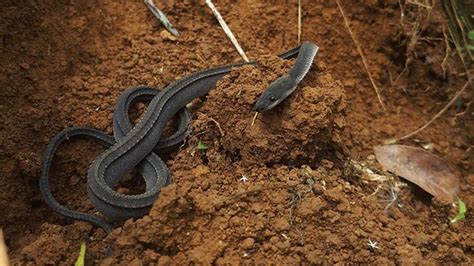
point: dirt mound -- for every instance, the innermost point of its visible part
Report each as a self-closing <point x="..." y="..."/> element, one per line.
<point x="209" y="194"/>
<point x="303" y="129"/>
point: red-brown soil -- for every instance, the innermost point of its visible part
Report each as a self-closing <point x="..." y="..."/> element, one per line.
<point x="64" y="64"/>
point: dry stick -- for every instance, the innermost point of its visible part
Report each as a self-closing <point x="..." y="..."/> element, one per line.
<point x="253" y="119"/>
<point x="456" y="96"/>
<point x="3" y="251"/>
<point x="161" y="17"/>
<point x="299" y="21"/>
<point x="361" y="54"/>
<point x="226" y="29"/>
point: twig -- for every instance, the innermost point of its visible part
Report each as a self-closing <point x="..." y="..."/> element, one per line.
<point x="361" y="55"/>
<point x="299" y="21"/>
<point x="226" y="29"/>
<point x="456" y="96"/>
<point x="253" y="119"/>
<point x="468" y="106"/>
<point x="3" y="251"/>
<point x="161" y="17"/>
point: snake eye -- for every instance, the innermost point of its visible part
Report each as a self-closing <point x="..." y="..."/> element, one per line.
<point x="272" y="98"/>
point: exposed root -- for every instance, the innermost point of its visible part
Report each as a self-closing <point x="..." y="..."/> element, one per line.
<point x="392" y="197"/>
<point x="388" y="184"/>
<point x="218" y="126"/>
<point x="295" y="200"/>
<point x="411" y="29"/>
<point x="447" y="51"/>
<point x="388" y="194"/>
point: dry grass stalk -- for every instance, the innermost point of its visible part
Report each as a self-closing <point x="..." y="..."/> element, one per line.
<point x="218" y="126"/>
<point x="253" y="119"/>
<point x="226" y="29"/>
<point x="299" y="21"/>
<point x="456" y="96"/>
<point x="423" y="3"/>
<point x="359" y="49"/>
<point x="459" y="25"/>
<point x="3" y="251"/>
<point x="161" y="17"/>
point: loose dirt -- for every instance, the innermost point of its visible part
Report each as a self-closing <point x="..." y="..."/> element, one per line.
<point x="64" y="64"/>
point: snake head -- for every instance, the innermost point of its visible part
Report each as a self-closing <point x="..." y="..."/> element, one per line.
<point x="265" y="102"/>
<point x="275" y="93"/>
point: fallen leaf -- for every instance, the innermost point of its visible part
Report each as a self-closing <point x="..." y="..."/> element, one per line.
<point x="423" y="168"/>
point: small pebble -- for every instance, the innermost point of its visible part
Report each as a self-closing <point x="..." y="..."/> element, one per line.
<point x="25" y="66"/>
<point x="248" y="243"/>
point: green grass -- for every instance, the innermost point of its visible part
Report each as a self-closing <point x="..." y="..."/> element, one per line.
<point x="470" y="36"/>
<point x="460" y="28"/>
<point x="82" y="255"/>
<point x="461" y="212"/>
<point x="201" y="146"/>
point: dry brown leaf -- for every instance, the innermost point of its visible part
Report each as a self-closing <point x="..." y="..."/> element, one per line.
<point x="425" y="169"/>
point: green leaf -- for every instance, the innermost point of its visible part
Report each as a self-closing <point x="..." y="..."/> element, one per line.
<point x="470" y="35"/>
<point x="82" y="255"/>
<point x="461" y="212"/>
<point x="470" y="47"/>
<point x="201" y="146"/>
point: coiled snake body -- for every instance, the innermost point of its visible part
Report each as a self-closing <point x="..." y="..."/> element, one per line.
<point x="135" y="146"/>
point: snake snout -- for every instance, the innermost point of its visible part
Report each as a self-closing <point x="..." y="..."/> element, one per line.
<point x="261" y="105"/>
<point x="257" y="107"/>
